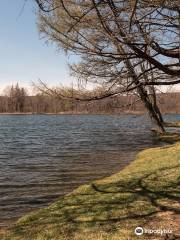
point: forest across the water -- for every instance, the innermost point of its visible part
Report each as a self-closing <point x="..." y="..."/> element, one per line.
<point x="17" y="100"/>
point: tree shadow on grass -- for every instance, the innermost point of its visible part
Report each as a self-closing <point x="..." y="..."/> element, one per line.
<point x="138" y="199"/>
<point x="135" y="199"/>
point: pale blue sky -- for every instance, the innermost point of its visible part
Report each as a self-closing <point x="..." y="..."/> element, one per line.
<point x="24" y="57"/>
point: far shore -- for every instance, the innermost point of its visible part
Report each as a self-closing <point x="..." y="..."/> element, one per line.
<point x="82" y="113"/>
<point x="73" y="113"/>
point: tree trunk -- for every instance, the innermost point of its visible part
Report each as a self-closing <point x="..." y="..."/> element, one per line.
<point x="154" y="102"/>
<point x="153" y="110"/>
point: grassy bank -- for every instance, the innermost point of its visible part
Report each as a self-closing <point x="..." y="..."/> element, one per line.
<point x="170" y="137"/>
<point x="144" y="194"/>
<point x="172" y="124"/>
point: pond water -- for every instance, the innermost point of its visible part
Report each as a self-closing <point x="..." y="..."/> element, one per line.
<point x="45" y="156"/>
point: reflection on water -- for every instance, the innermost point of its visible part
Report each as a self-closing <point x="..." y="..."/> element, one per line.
<point x="43" y="157"/>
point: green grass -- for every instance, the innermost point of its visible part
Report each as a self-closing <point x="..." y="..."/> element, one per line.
<point x="144" y="194"/>
<point x="170" y="137"/>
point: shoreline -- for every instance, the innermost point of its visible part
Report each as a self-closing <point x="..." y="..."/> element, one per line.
<point x="74" y="113"/>
<point x="81" y="113"/>
<point x="120" y="202"/>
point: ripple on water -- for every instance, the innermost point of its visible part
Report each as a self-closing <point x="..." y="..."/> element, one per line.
<point x="43" y="157"/>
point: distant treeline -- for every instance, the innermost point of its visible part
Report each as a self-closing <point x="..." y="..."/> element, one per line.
<point x="16" y="100"/>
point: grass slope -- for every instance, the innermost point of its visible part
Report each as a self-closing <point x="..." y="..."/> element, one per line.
<point x="144" y="194"/>
<point x="170" y="137"/>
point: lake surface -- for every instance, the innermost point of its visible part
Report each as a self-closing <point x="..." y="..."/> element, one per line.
<point x="44" y="157"/>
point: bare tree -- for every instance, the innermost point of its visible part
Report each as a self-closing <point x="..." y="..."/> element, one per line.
<point x="16" y="98"/>
<point x="129" y="45"/>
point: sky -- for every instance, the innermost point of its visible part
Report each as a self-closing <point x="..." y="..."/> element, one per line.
<point x="24" y="56"/>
